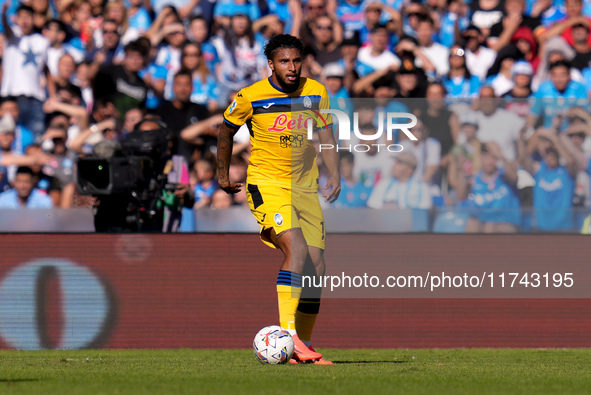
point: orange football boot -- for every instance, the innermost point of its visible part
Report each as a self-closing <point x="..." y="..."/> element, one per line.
<point x="302" y="353"/>
<point x="320" y="361"/>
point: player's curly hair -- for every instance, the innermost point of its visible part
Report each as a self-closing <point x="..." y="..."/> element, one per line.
<point x="282" y="41"/>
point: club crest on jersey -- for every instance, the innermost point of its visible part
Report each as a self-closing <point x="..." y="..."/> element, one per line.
<point x="307" y="102"/>
<point x="278" y="219"/>
<point x="232" y="107"/>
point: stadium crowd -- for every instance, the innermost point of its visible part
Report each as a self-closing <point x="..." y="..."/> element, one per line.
<point x="500" y="88"/>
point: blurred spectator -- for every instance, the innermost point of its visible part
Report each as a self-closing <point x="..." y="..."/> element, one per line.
<point x="374" y="165"/>
<point x="227" y="9"/>
<point x="55" y="31"/>
<point x="565" y="26"/>
<point x="61" y="167"/>
<point x="521" y="73"/>
<point x="563" y="91"/>
<point x="9" y="158"/>
<point x="555" y="184"/>
<point x="220" y="200"/>
<point x="105" y="129"/>
<point x="204" y="133"/>
<point x="412" y="12"/>
<point x="105" y="53"/>
<point x="199" y="34"/>
<point x="442" y="124"/>
<point x="72" y="118"/>
<point x="478" y="57"/>
<point x="173" y="32"/>
<point x="555" y="50"/>
<point x="498" y="125"/>
<point x="132" y="117"/>
<point x="240" y="54"/>
<point x="24" y="64"/>
<point x="333" y="79"/>
<point x="312" y="10"/>
<point x="122" y="82"/>
<point x="376" y="56"/>
<point x="47" y="185"/>
<point x="459" y="83"/>
<point x="115" y="10"/>
<point x="82" y="80"/>
<point x="581" y="46"/>
<point x="452" y="22"/>
<point x="377" y="12"/>
<point x="66" y="68"/>
<point x="574" y="140"/>
<point x="349" y="51"/>
<point x="410" y="81"/>
<point x="206" y="183"/>
<point x="24" y="194"/>
<point x="401" y="190"/>
<point x="465" y="155"/>
<point x="486" y="13"/>
<point x="23" y="137"/>
<point x="525" y="41"/>
<point x="350" y="14"/>
<point x="493" y="192"/>
<point x="427" y="152"/>
<point x="327" y="36"/>
<point x="499" y="75"/>
<point x="353" y="192"/>
<point x="436" y="53"/>
<point x="180" y="112"/>
<point x="205" y="87"/>
<point x="502" y="32"/>
<point x="138" y="17"/>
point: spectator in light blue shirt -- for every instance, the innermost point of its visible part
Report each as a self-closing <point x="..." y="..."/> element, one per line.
<point x="226" y="9"/>
<point x="353" y="192"/>
<point x="556" y="96"/>
<point x="555" y="184"/>
<point x="138" y="17"/>
<point x="23" y="194"/>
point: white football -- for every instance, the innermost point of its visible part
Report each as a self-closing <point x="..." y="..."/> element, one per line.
<point x="272" y="345"/>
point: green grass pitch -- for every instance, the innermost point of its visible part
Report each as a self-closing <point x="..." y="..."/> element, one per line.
<point x="463" y="371"/>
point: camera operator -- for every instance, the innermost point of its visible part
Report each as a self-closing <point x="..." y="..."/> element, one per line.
<point x="155" y="197"/>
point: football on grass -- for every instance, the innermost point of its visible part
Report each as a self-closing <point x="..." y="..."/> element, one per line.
<point x="273" y="345"/>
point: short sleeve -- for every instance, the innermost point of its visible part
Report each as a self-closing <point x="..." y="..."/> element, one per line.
<point x="324" y="105"/>
<point x="239" y="112"/>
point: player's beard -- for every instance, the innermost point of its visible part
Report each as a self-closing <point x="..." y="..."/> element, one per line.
<point x="288" y="85"/>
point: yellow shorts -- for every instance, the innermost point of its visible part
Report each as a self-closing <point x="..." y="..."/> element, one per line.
<point x="283" y="209"/>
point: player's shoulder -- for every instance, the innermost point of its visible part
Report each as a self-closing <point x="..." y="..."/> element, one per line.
<point x="312" y="85"/>
<point x="253" y="91"/>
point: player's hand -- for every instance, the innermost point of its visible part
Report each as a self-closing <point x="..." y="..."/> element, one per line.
<point x="230" y="187"/>
<point x="333" y="189"/>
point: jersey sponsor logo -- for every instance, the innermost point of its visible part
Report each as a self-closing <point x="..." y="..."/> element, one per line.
<point x="232" y="107"/>
<point x="282" y="123"/>
<point x="278" y="219"/>
<point x="291" y="141"/>
<point x="268" y="105"/>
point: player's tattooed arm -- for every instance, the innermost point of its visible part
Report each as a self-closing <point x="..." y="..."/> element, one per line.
<point x="225" y="144"/>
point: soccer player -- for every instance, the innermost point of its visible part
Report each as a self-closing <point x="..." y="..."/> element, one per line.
<point x="282" y="181"/>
